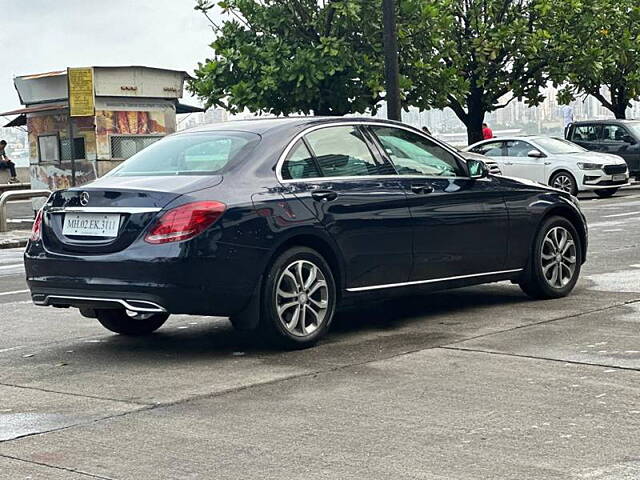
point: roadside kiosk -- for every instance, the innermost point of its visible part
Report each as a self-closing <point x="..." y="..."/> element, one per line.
<point x="82" y="122"/>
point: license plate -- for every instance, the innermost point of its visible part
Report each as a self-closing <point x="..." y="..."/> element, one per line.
<point x="91" y="225"/>
<point x="619" y="177"/>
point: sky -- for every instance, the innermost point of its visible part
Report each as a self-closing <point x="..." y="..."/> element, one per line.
<point x="45" y="35"/>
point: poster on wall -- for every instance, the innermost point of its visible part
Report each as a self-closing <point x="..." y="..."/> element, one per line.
<point x="58" y="177"/>
<point x="113" y="122"/>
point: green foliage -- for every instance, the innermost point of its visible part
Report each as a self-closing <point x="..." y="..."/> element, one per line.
<point x="596" y="43"/>
<point x="289" y="56"/>
<point x="469" y="54"/>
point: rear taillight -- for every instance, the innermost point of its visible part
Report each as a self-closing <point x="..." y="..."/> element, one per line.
<point x="36" y="229"/>
<point x="184" y="222"/>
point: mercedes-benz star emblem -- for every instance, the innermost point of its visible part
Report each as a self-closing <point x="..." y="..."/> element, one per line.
<point x="84" y="198"/>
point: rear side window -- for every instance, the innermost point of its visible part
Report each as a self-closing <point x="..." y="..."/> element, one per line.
<point x="413" y="154"/>
<point x="299" y="163"/>
<point x="586" y="133"/>
<point x="190" y="154"/>
<point x="491" y="149"/>
<point x="343" y="152"/>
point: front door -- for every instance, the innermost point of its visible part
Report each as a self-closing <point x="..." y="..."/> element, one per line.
<point x="617" y="140"/>
<point x="521" y="164"/>
<point x="460" y="224"/>
<point x="358" y="198"/>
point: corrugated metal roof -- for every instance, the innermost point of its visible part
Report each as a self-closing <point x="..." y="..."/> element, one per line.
<point x="37" y="108"/>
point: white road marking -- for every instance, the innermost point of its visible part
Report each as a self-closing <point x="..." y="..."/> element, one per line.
<point x="12" y="265"/>
<point x="614" y="230"/>
<point x="623" y="214"/>
<point x="15" y="292"/>
<point x="12" y="348"/>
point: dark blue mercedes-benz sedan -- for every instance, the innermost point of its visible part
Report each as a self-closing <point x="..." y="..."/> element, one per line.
<point x="275" y="222"/>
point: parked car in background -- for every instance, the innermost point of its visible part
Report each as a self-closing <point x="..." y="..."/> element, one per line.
<point x="620" y="137"/>
<point x="275" y="222"/>
<point x="492" y="165"/>
<point x="557" y="163"/>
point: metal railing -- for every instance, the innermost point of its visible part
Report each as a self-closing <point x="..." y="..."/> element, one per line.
<point x="17" y="195"/>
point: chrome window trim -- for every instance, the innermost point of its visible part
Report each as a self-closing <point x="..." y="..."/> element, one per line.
<point x="433" y="280"/>
<point x="346" y="123"/>
<point x="131" y="210"/>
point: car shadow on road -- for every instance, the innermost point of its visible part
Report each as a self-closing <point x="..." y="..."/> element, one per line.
<point x="195" y="337"/>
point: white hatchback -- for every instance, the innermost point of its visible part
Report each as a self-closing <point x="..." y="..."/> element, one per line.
<point x="556" y="162"/>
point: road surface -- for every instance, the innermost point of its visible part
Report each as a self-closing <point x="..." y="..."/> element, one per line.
<point x="475" y="383"/>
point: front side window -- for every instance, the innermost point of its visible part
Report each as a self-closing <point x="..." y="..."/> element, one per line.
<point x="299" y="163"/>
<point x="518" y="148"/>
<point x="586" y="133"/>
<point x="491" y="149"/>
<point x="189" y="154"/>
<point x="413" y="154"/>
<point x="614" y="134"/>
<point x="343" y="152"/>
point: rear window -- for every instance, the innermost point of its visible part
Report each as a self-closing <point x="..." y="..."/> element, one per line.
<point x="189" y="154"/>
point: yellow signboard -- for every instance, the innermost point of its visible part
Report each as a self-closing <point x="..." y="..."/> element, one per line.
<point x="81" y="96"/>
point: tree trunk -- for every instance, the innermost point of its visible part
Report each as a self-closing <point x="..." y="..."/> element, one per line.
<point x="475" y="118"/>
<point x="620" y="110"/>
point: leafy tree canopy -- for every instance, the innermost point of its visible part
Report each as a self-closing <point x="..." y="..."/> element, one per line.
<point x="480" y="52"/>
<point x="290" y="56"/>
<point x="596" y="43"/>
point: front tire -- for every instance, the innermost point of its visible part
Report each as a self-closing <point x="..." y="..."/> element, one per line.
<point x="298" y="299"/>
<point x="606" y="192"/>
<point x="554" y="266"/>
<point x="124" y="323"/>
<point x="564" y="181"/>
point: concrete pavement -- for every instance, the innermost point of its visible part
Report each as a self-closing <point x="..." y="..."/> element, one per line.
<point x="474" y="383"/>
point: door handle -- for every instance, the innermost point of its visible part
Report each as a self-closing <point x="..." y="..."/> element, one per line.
<point x="324" y="195"/>
<point x="422" y="188"/>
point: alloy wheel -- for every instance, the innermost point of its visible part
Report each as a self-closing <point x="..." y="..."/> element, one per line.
<point x="558" y="257"/>
<point x="302" y="298"/>
<point x="563" y="182"/>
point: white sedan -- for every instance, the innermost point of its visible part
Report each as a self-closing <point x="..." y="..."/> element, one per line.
<point x="557" y="163"/>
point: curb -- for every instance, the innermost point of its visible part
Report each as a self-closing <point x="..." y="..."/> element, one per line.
<point x="18" y="243"/>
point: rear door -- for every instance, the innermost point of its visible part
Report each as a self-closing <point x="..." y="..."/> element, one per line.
<point x="460" y="224"/>
<point x="521" y="164"/>
<point x="498" y="152"/>
<point x="587" y="136"/>
<point x="357" y="196"/>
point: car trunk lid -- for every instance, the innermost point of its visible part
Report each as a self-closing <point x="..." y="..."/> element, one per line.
<point x="125" y="206"/>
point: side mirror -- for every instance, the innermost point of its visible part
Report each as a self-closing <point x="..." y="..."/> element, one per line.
<point x="536" y="154"/>
<point x="477" y="169"/>
<point x="628" y="139"/>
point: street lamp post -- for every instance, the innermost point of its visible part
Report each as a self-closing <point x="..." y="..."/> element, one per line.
<point x="391" y="68"/>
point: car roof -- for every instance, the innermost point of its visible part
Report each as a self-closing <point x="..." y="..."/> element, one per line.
<point x="610" y="120"/>
<point x="515" y="137"/>
<point x="263" y="125"/>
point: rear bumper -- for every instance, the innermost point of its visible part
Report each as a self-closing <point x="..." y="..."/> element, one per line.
<point x="168" y="278"/>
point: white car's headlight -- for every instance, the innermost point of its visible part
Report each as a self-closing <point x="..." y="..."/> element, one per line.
<point x="589" y="166"/>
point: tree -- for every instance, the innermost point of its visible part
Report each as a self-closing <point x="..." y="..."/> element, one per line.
<point x="290" y="56"/>
<point x="474" y="56"/>
<point x="596" y="44"/>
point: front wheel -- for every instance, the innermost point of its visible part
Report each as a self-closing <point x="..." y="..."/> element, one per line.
<point x="299" y="298"/>
<point x="130" y="323"/>
<point x="564" y="181"/>
<point x="554" y="266"/>
<point x="606" y="192"/>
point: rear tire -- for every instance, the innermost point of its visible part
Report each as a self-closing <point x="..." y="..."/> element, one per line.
<point x="554" y="266"/>
<point x="606" y="192"/>
<point x="298" y="299"/>
<point x="564" y="181"/>
<point x="119" y="321"/>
